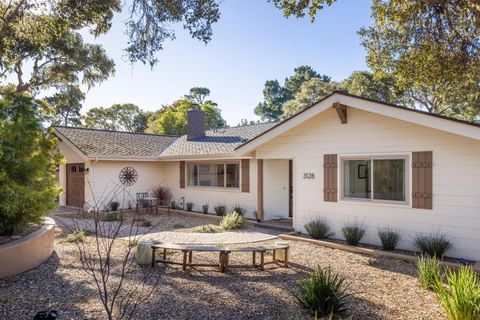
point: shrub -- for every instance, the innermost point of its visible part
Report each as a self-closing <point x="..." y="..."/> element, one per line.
<point x="178" y="226"/>
<point x="189" y="206"/>
<point x="353" y="233"/>
<point x="233" y="221"/>
<point x="428" y="272"/>
<point x="173" y="205"/>
<point x="114" y="205"/>
<point x="220" y="210"/>
<point x="239" y="209"/>
<point x="163" y="194"/>
<point x="389" y="238"/>
<point x="319" y="229"/>
<point x="205" y="208"/>
<point x="461" y="300"/>
<point x="207" y="228"/>
<point x="113" y="216"/>
<point x="147" y="223"/>
<point x="435" y="245"/>
<point x="28" y="189"/>
<point x="323" y="292"/>
<point x="78" y="235"/>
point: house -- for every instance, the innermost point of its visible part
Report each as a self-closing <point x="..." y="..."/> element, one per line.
<point x="345" y="158"/>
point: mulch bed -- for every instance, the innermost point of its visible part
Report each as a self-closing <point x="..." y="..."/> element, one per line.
<point x="382" y="288"/>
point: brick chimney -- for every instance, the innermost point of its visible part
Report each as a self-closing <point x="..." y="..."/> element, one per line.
<point x="195" y="123"/>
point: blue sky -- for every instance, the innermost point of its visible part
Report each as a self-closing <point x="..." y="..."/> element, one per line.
<point x="251" y="43"/>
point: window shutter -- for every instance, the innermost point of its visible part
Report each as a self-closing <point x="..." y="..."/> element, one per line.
<point x="422" y="180"/>
<point x="330" y="177"/>
<point x="245" y="175"/>
<point x="182" y="174"/>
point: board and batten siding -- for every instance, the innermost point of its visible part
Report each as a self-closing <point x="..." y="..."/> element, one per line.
<point x="211" y="196"/>
<point x="456" y="176"/>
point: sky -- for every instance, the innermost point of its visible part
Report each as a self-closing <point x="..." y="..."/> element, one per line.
<point x="253" y="42"/>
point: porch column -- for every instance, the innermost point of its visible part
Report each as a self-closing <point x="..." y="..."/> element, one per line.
<point x="260" y="213"/>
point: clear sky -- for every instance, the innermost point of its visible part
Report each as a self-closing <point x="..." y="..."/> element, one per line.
<point x="251" y="43"/>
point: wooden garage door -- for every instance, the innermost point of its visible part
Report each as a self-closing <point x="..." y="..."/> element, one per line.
<point x="75" y="185"/>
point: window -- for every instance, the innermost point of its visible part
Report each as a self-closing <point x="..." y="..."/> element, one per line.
<point x="375" y="179"/>
<point x="214" y="175"/>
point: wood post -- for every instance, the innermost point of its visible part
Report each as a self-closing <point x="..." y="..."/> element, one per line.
<point x="153" y="257"/>
<point x="164" y="254"/>
<point x="184" y="265"/>
<point x="190" y="253"/>
<point x="260" y="190"/>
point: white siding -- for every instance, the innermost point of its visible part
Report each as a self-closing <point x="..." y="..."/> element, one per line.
<point x="275" y="189"/>
<point x="456" y="176"/>
<point x="212" y="197"/>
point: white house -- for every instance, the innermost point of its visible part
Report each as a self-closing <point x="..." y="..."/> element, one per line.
<point x="344" y="158"/>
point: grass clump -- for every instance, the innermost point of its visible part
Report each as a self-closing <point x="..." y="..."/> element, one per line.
<point x="114" y="205"/>
<point x="113" y="216"/>
<point x="189" y="206"/>
<point x="353" y="233"/>
<point x="323" y="292"/>
<point x="205" y="208"/>
<point x="429" y="272"/>
<point x="233" y="221"/>
<point x="434" y="245"/>
<point x="220" y="210"/>
<point x="319" y="229"/>
<point x="147" y="223"/>
<point x="206" y="228"/>
<point x="77" y="235"/>
<point x="239" y="209"/>
<point x="461" y="299"/>
<point x="173" y="205"/>
<point x="178" y="226"/>
<point x="389" y="238"/>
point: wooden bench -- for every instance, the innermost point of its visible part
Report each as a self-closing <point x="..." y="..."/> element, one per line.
<point x="261" y="250"/>
<point x="187" y="251"/>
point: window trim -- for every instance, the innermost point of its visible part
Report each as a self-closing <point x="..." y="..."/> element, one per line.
<point x="213" y="188"/>
<point x="394" y="156"/>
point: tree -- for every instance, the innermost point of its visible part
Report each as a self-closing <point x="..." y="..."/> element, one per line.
<point x="120" y="117"/>
<point x="173" y="120"/>
<point x="299" y="8"/>
<point x="275" y="95"/>
<point x="198" y="94"/>
<point x="66" y="106"/>
<point x="28" y="188"/>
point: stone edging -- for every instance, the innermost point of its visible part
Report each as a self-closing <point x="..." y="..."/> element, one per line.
<point x="28" y="252"/>
<point x="372" y="252"/>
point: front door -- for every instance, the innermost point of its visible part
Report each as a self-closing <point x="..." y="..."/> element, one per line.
<point x="76" y="185"/>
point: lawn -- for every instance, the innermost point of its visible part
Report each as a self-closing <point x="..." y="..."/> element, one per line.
<point x="382" y="288"/>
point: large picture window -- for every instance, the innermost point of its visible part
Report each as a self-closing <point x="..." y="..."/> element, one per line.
<point x="214" y="175"/>
<point x="375" y="179"/>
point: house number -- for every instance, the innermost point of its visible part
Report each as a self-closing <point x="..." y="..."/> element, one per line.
<point x="309" y="175"/>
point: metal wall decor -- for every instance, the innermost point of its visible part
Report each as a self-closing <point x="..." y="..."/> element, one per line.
<point x="128" y="176"/>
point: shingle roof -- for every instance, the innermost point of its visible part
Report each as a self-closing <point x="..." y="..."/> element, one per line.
<point x="221" y="141"/>
<point x="115" y="143"/>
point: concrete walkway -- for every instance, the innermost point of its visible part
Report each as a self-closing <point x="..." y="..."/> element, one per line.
<point x="250" y="234"/>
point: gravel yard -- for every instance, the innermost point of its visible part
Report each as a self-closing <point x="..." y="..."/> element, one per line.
<point x="383" y="288"/>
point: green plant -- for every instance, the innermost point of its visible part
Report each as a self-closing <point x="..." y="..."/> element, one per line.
<point x="435" y="245"/>
<point x="207" y="228"/>
<point x="173" y="205"/>
<point x="233" y="221"/>
<point x="113" y="216"/>
<point x="323" y="292"/>
<point x="389" y="238"/>
<point x="178" y="226"/>
<point x="163" y="194"/>
<point x="353" y="233"/>
<point x="319" y="229"/>
<point x="114" y="205"/>
<point x="77" y="235"/>
<point x="461" y="300"/>
<point x="205" y="208"/>
<point x="147" y="223"/>
<point x="189" y="206"/>
<point x="428" y="272"/>
<point x="220" y="210"/>
<point x="239" y="209"/>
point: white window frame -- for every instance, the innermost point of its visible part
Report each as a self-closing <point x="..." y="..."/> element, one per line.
<point x="371" y="157"/>
<point x="224" y="163"/>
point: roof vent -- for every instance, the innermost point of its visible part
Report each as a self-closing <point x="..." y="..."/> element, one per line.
<point x="195" y="123"/>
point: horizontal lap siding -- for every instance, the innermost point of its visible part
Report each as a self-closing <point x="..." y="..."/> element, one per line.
<point x="455" y="172"/>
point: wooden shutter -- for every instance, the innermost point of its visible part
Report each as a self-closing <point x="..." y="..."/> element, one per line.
<point x="245" y="175"/>
<point x="422" y="180"/>
<point x="182" y="174"/>
<point x="330" y="177"/>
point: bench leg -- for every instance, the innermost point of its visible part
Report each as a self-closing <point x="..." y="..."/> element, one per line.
<point x="184" y="266"/>
<point x="164" y="254"/>
<point x="190" y="257"/>
<point x="285" y="262"/>
<point x="153" y="257"/>
<point x="262" y="260"/>
<point x="274" y="253"/>
<point x="254" y="256"/>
